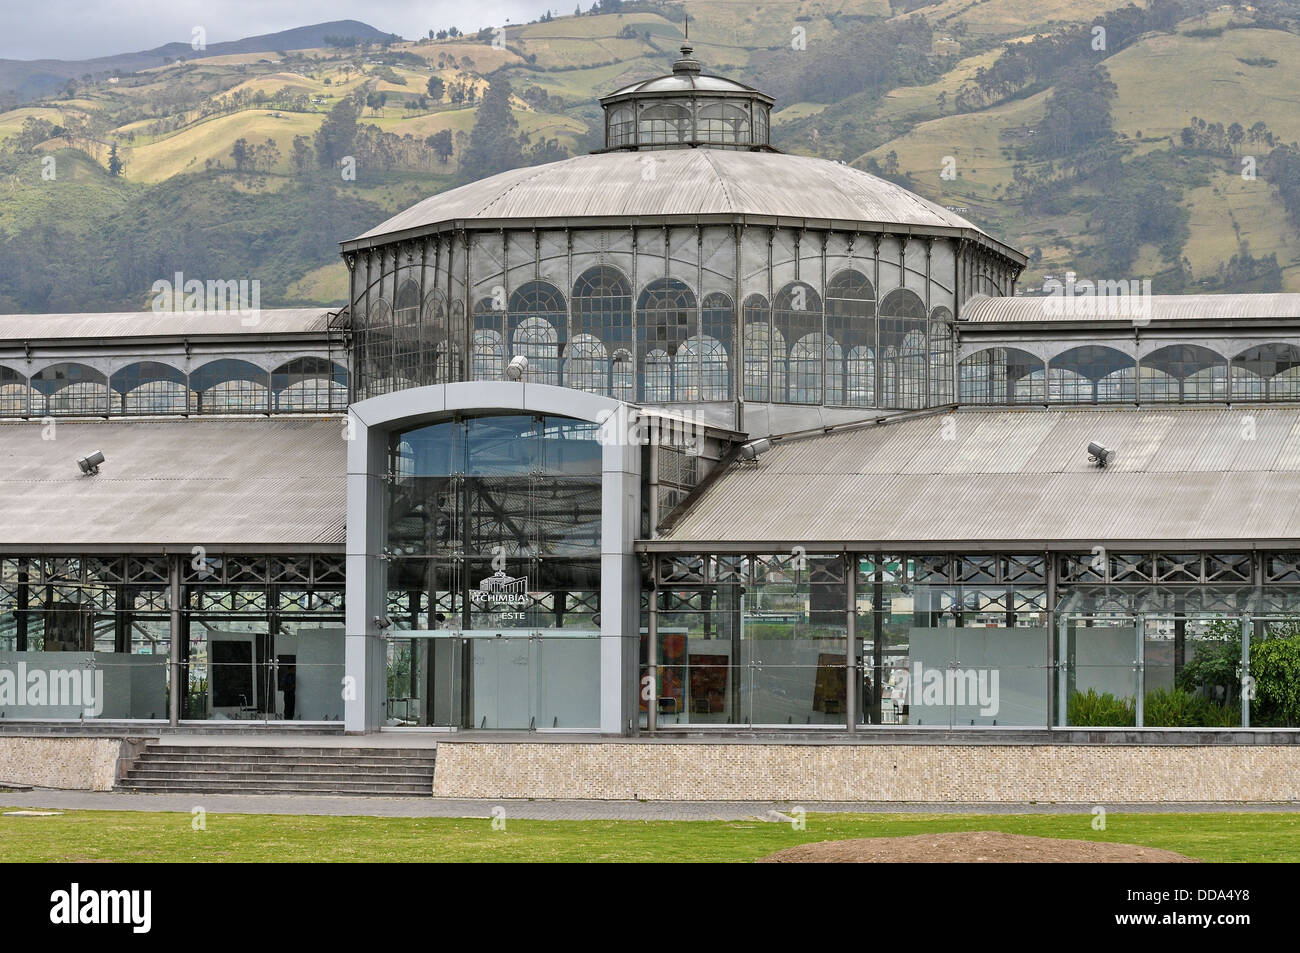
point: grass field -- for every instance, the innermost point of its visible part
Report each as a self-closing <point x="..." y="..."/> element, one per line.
<point x="137" y="836"/>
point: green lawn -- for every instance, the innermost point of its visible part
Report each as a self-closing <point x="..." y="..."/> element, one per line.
<point x="138" y="836"/>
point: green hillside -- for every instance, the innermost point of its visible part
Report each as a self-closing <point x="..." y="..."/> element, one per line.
<point x="1123" y="161"/>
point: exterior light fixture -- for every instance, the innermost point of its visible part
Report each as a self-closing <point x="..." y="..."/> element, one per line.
<point x="751" y="450"/>
<point x="90" y="465"/>
<point x="516" y="368"/>
<point x="1100" y="455"/>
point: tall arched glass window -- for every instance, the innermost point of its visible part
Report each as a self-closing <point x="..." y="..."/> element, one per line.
<point x="1002" y="375"/>
<point x="406" y="306"/>
<point x="1184" y="372"/>
<point x="903" y="350"/>
<point x="375" y="362"/>
<point x="941" y="385"/>
<point x="538" y="321"/>
<point x="1091" y="374"/>
<point x="602" y="311"/>
<point x="1267" y="371"/>
<point x="407" y="363"/>
<point x="586" y="365"/>
<point x="449" y="353"/>
<point x="488" y="360"/>
<point x="796" y="314"/>
<point x="851" y="321"/>
<point x="667" y="317"/>
<point x="759" y="352"/>
<point x="703" y="370"/>
<point x="150" y="387"/>
<point x="433" y="338"/>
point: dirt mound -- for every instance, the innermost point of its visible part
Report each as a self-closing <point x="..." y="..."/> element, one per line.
<point x="971" y="847"/>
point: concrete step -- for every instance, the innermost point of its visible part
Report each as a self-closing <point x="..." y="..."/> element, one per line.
<point x="285" y="767"/>
<point x="342" y="788"/>
<point x="215" y="758"/>
<point x="297" y="751"/>
<point x="300" y="769"/>
<point x="218" y="773"/>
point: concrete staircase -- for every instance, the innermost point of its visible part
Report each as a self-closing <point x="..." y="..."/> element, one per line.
<point x="262" y="769"/>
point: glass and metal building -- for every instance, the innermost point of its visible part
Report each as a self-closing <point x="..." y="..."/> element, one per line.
<point x="686" y="434"/>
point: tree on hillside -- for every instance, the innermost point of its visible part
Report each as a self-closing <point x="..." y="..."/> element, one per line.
<point x="301" y="153"/>
<point x="494" y="140"/>
<point x="114" y="161"/>
<point x="440" y="143"/>
<point x="436" y="87"/>
<point x="335" y="136"/>
<point x="241" y="154"/>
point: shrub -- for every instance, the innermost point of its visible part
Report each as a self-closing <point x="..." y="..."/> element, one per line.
<point x="1091" y="710"/>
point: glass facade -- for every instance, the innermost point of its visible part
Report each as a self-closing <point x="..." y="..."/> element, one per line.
<point x="955" y="640"/>
<point x="493" y="574"/>
<point x="261" y="637"/>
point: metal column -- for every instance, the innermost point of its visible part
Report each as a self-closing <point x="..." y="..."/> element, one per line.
<point x="851" y="680"/>
<point x="174" y="647"/>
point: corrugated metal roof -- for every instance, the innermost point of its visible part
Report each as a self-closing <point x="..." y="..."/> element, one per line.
<point x="203" y="481"/>
<point x="983" y="309"/>
<point x="1018" y="476"/>
<point x="685" y="182"/>
<point x="192" y="324"/>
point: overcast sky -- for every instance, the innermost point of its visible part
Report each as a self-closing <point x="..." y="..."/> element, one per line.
<point x="80" y="29"/>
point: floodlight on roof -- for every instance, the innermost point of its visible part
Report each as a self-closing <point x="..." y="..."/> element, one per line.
<point x="1100" y="455"/>
<point x="90" y="465"/>
<point x="517" y="367"/>
<point x="751" y="450"/>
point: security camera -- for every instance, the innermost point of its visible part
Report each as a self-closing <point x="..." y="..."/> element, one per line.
<point x="382" y="623"/>
<point x="1100" y="455"/>
<point x="751" y="450"/>
<point x="90" y="465"/>
<point x="516" y="368"/>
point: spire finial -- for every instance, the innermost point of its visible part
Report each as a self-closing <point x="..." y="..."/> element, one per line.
<point x="687" y="63"/>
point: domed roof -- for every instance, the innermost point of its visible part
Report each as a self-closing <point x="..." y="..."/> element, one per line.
<point x="695" y="186"/>
<point x="683" y="82"/>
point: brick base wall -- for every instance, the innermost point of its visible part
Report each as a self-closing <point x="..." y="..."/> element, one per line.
<point x="793" y="772"/>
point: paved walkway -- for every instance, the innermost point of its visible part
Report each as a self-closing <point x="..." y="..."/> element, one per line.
<point x="558" y="810"/>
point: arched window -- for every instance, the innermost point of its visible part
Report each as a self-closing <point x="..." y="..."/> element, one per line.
<point x="1002" y="375"/>
<point x="309" y="384"/>
<point x="664" y="123"/>
<point x="1267" y="371"/>
<point x="903" y="350"/>
<point x="602" y="310"/>
<point x="72" y="389"/>
<point x="667" y="312"/>
<point x="449" y="352"/>
<point x="14" y="393"/>
<point x="586" y="366"/>
<point x="406" y="307"/>
<point x="722" y="122"/>
<point x="702" y="369"/>
<point x="851" y="320"/>
<point x="229" y="386"/>
<point x="796" y="314"/>
<point x="150" y="387"/>
<point x="940" y="357"/>
<point x="1091" y="373"/>
<point x="759" y="352"/>
<point x="539" y="321"/>
<point x="374" y="349"/>
<point x="861" y="373"/>
<point x="1185" y="372"/>
<point x="536" y="339"/>
<point x="622" y="126"/>
<point x="488" y="361"/>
